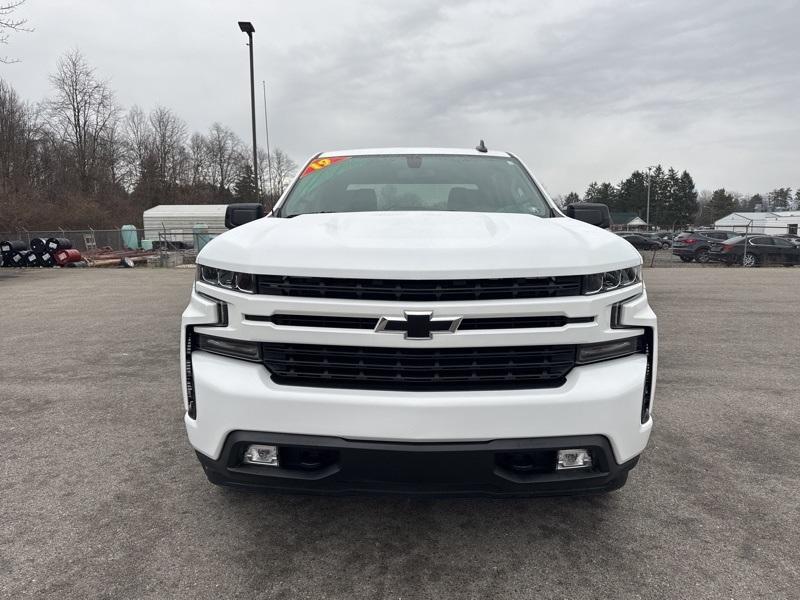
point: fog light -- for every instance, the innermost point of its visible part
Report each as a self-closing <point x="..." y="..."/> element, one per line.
<point x="574" y="458"/>
<point x="257" y="454"/>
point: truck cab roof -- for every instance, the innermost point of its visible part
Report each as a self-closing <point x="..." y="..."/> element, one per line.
<point x="401" y="151"/>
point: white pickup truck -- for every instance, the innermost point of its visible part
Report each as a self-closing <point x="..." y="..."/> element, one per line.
<point x="419" y="320"/>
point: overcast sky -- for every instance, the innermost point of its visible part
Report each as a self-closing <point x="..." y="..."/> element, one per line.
<point x="581" y="91"/>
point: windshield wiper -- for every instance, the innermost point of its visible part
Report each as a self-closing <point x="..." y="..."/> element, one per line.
<point x="321" y="212"/>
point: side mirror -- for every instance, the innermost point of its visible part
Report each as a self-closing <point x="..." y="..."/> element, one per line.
<point x="590" y="212"/>
<point x="239" y="214"/>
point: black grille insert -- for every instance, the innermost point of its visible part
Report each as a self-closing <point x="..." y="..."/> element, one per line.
<point x="371" y="322"/>
<point x="419" y="369"/>
<point x="420" y="290"/>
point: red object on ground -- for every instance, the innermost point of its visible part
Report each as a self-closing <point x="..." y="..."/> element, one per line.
<point x="67" y="256"/>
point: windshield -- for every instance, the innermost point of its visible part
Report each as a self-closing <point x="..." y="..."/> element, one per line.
<point x="414" y="182"/>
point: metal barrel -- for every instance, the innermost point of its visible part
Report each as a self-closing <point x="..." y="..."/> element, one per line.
<point x="38" y="244"/>
<point x="46" y="259"/>
<point x="18" y="258"/>
<point x="7" y="246"/>
<point x="56" y="243"/>
<point x="64" y="257"/>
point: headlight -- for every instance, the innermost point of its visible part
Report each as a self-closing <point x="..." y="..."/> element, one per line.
<point x="611" y="280"/>
<point x="241" y="282"/>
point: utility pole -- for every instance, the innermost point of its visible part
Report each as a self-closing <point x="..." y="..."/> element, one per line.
<point x="247" y="27"/>
<point x="647" y="218"/>
<point x="266" y="131"/>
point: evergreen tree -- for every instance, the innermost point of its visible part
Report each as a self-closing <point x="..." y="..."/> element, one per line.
<point x="721" y="204"/>
<point x="779" y="198"/>
<point x="632" y="195"/>
<point x="607" y="194"/>
<point x="756" y="201"/>
<point x="245" y="186"/>
<point x="591" y="192"/>
<point x="571" y="198"/>
<point x="686" y="207"/>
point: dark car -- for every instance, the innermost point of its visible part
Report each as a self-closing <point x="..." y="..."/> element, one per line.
<point x="650" y="235"/>
<point x="755" y="250"/>
<point x="667" y="236"/>
<point x="640" y="242"/>
<point x="795" y="239"/>
<point x="695" y="245"/>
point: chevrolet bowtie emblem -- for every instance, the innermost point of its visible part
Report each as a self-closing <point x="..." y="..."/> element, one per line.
<point x="418" y="325"/>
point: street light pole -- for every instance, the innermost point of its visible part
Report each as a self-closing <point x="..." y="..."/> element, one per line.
<point x="247" y="27"/>
<point x="647" y="218"/>
<point x="266" y="131"/>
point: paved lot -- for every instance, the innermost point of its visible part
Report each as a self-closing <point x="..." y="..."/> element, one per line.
<point x="101" y="496"/>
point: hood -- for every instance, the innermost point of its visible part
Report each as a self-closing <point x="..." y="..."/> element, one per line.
<point x="407" y="245"/>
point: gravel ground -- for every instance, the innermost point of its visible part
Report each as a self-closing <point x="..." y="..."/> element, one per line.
<point x="102" y="496"/>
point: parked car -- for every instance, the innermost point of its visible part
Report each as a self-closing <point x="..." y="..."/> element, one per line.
<point x="760" y="250"/>
<point x="650" y="235"/>
<point x="402" y="322"/>
<point x="795" y="239"/>
<point x="643" y="241"/>
<point x="696" y="244"/>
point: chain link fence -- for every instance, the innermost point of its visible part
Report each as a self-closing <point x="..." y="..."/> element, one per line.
<point x="120" y="240"/>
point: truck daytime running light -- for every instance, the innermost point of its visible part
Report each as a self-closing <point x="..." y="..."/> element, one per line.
<point x="592" y="353"/>
<point x="597" y="283"/>
<point x="240" y="282"/>
<point x="228" y="347"/>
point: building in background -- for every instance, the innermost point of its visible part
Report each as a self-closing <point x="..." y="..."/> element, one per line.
<point x="627" y="221"/>
<point x="179" y="223"/>
<point x="772" y="223"/>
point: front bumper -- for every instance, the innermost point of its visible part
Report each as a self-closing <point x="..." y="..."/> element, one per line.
<point x="311" y="464"/>
<point x="603" y="400"/>
<point x="600" y="399"/>
<point x="724" y="257"/>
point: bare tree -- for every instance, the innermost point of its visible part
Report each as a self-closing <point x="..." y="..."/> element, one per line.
<point x="19" y="145"/>
<point x="224" y="155"/>
<point x="198" y="160"/>
<point x="82" y="113"/>
<point x="8" y="24"/>
<point x="72" y="160"/>
<point x="283" y="169"/>
<point x="169" y="137"/>
<point x="138" y="144"/>
<point x="112" y="151"/>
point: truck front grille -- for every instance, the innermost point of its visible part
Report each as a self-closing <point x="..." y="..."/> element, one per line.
<point x="422" y="290"/>
<point x="325" y="321"/>
<point x="419" y="369"/>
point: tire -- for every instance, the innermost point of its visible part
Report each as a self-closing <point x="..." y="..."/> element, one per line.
<point x="701" y="256"/>
<point x="686" y="259"/>
<point x="750" y="260"/>
<point x="666" y="245"/>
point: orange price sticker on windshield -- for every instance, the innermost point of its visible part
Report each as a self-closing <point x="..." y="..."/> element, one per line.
<point x="321" y="163"/>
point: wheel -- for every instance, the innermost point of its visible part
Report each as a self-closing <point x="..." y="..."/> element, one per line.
<point x="665" y="245"/>
<point x="686" y="258"/>
<point x="749" y="260"/>
<point x="701" y="255"/>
